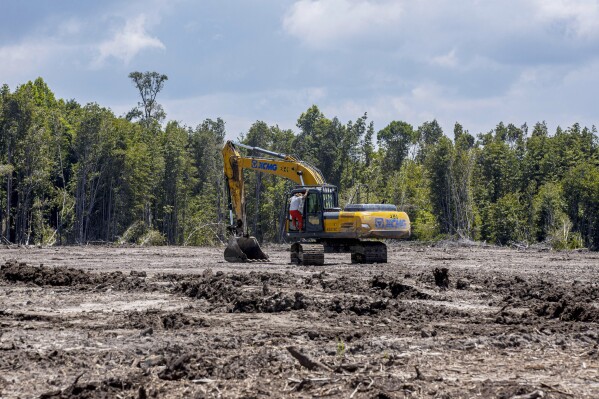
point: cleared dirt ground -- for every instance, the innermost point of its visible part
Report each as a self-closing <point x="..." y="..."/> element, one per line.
<point x="170" y="322"/>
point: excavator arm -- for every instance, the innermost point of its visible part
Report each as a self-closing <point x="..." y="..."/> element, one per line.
<point x="282" y="165"/>
<point x="286" y="166"/>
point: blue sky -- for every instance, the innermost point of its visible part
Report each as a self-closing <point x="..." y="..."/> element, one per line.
<point x="478" y="62"/>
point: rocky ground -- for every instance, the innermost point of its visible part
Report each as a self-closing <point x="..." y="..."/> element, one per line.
<point x="171" y="322"/>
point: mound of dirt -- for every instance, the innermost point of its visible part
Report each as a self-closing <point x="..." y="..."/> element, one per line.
<point x="13" y="271"/>
<point x="160" y="320"/>
<point x="192" y="365"/>
<point x="569" y="310"/>
<point x="279" y="302"/>
<point x="343" y="283"/>
<point x="237" y="279"/>
<point x="397" y="289"/>
<point x="359" y="306"/>
<point x="218" y="288"/>
<point x="553" y="299"/>
<point x="243" y="293"/>
<point x="441" y="277"/>
<point x="112" y="387"/>
<point x="20" y="272"/>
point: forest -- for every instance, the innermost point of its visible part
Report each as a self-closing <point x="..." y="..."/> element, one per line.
<point x="79" y="174"/>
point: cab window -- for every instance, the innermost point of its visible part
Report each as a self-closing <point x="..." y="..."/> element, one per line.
<point x="313" y="204"/>
<point x="329" y="200"/>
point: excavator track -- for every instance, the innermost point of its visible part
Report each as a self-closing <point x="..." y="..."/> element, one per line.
<point x="369" y="252"/>
<point x="307" y="254"/>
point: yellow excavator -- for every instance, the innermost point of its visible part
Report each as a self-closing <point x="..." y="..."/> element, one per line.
<point x="326" y="227"/>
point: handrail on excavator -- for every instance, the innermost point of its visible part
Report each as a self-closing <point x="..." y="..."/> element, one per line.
<point x="262" y="150"/>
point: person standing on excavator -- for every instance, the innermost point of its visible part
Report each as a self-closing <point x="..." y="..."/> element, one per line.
<point x="295" y="208"/>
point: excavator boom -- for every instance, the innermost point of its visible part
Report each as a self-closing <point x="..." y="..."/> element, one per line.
<point x="286" y="166"/>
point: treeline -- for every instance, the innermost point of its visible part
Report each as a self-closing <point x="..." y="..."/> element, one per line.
<point x="511" y="185"/>
<point x="80" y="174"/>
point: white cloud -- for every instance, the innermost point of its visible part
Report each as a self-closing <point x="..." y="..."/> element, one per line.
<point x="128" y="42"/>
<point x="17" y="56"/>
<point x="581" y="16"/>
<point x="71" y="41"/>
<point x="22" y="61"/>
<point x="322" y="23"/>
<point x="446" y="60"/>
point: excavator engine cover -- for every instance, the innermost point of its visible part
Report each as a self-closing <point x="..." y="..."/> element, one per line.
<point x="244" y="249"/>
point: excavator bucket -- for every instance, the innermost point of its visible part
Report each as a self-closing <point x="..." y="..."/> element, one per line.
<point x="244" y="249"/>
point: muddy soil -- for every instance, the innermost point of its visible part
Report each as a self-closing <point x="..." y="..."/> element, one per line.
<point x="443" y="321"/>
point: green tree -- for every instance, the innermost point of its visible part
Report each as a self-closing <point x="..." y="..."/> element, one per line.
<point x="27" y="164"/>
<point x="410" y="189"/>
<point x="395" y="140"/>
<point x="91" y="154"/>
<point x="205" y="223"/>
<point x="507" y="220"/>
<point x="350" y="161"/>
<point x="429" y="134"/>
<point x="462" y="172"/>
<point x="6" y="167"/>
<point x="318" y="141"/>
<point x="260" y="136"/>
<point x="439" y="168"/>
<point x="177" y="183"/>
<point x="149" y="84"/>
<point x="550" y="220"/>
<point x="581" y="192"/>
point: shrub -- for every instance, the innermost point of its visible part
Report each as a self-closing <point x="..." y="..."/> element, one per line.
<point x="133" y="233"/>
<point x="425" y="226"/>
<point x="507" y="220"/>
<point x="152" y="238"/>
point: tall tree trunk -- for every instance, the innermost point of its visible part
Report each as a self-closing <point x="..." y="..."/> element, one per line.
<point x="1" y="220"/>
<point x="281" y="220"/>
<point x="60" y="215"/>
<point x="107" y="221"/>
<point x="176" y="214"/>
<point x="180" y="231"/>
<point x="80" y="207"/>
<point x="8" y="194"/>
<point x="219" y="207"/>
<point x="448" y="204"/>
<point x="22" y="214"/>
<point x="94" y="189"/>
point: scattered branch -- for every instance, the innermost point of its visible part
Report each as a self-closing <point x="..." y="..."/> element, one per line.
<point x="306" y="361"/>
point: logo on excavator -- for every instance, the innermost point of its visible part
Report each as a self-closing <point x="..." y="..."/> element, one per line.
<point x="263" y="165"/>
<point x="382" y="223"/>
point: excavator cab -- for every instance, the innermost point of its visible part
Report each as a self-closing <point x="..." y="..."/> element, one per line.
<point x="319" y="200"/>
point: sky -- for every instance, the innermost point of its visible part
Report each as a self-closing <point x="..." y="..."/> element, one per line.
<point x="476" y="62"/>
